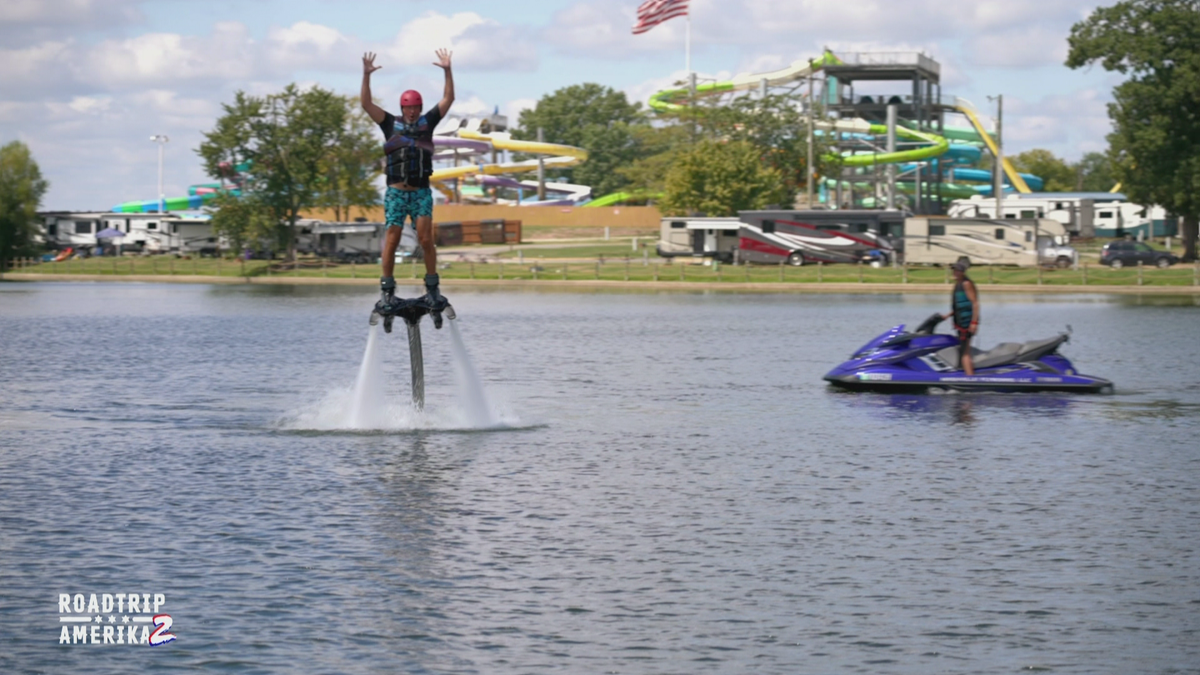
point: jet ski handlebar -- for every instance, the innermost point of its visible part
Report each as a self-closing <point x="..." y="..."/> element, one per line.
<point x="927" y="327"/>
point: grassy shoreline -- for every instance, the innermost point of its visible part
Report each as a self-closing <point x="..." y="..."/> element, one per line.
<point x="691" y="284"/>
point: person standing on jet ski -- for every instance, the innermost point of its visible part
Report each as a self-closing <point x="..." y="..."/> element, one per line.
<point x="964" y="307"/>
<point x="409" y="149"/>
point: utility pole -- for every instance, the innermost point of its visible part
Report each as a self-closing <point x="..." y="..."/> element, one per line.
<point x="891" y="147"/>
<point x="998" y="176"/>
<point x="541" y="192"/>
<point x="809" y="163"/>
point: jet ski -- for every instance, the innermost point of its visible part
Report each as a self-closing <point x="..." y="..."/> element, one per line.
<point x="899" y="360"/>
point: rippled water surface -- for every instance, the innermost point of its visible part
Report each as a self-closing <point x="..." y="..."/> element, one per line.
<point x="669" y="487"/>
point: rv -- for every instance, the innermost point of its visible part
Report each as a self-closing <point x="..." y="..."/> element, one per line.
<point x="1026" y="242"/>
<point x="143" y="231"/>
<point x="1086" y="214"/>
<point x="802" y="237"/>
<point x="699" y="237"/>
<point x="347" y="242"/>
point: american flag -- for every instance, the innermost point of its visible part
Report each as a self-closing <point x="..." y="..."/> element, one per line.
<point x="653" y="12"/>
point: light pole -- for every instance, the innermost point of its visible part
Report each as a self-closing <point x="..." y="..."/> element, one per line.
<point x="998" y="180"/>
<point x="162" y="140"/>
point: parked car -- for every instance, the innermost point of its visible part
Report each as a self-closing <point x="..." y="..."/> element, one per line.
<point x="1118" y="254"/>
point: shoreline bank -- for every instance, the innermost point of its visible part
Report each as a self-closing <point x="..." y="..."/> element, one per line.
<point x="731" y="286"/>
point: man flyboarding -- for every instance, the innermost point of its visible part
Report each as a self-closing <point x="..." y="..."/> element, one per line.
<point x="409" y="150"/>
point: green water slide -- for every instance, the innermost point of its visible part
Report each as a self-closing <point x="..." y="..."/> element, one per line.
<point x="670" y="100"/>
<point x="620" y="197"/>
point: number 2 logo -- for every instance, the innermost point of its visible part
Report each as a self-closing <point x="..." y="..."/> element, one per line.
<point x="160" y="636"/>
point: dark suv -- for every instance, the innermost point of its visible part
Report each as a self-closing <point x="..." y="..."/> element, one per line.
<point x="1118" y="254"/>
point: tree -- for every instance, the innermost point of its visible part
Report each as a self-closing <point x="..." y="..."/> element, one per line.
<point x="775" y="125"/>
<point x="21" y="190"/>
<point x="658" y="148"/>
<point x="1057" y="175"/>
<point x="595" y="118"/>
<point x="721" y="178"/>
<point x="352" y="164"/>
<point x="244" y="222"/>
<point x="1155" y="143"/>
<point x="285" y="140"/>
<point x="1095" y="173"/>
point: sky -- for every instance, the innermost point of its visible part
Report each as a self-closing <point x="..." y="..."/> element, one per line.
<point x="85" y="83"/>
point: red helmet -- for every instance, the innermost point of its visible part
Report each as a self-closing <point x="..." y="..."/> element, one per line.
<point x="410" y="97"/>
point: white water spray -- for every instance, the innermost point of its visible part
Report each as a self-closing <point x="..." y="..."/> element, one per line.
<point x="475" y="407"/>
<point x="372" y="405"/>
<point x="367" y="407"/>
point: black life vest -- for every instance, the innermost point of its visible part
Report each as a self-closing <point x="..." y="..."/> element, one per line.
<point x="408" y="158"/>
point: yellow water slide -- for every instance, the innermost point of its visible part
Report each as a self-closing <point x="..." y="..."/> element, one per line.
<point x="1014" y="177"/>
<point x="561" y="156"/>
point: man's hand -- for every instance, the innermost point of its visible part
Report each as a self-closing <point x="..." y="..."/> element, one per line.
<point x="443" y="61"/>
<point x="369" y="63"/>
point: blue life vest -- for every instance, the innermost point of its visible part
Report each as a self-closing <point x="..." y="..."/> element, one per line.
<point x="964" y="309"/>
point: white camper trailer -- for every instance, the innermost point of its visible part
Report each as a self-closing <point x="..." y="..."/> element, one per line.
<point x="1086" y="214"/>
<point x="984" y="241"/>
<point x="699" y="237"/>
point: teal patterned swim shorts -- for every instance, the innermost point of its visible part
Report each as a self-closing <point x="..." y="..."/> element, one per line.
<point x="399" y="204"/>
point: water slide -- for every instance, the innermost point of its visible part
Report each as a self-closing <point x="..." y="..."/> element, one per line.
<point x="670" y="100"/>
<point x="936" y="145"/>
<point x="964" y="106"/>
<point x="558" y="157"/>
<point x="198" y="195"/>
<point x="468" y="144"/>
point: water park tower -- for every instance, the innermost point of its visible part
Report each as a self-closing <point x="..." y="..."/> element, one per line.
<point x="913" y="100"/>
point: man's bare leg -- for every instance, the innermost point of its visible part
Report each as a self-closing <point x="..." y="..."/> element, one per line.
<point x="429" y="248"/>
<point x="387" y="282"/>
<point x="428" y="243"/>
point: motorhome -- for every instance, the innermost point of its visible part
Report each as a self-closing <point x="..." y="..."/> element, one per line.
<point x="1025" y="242"/>
<point x="1086" y="214"/>
<point x="78" y="229"/>
<point x="802" y="237"/>
<point x="348" y="242"/>
<point x="715" y="238"/>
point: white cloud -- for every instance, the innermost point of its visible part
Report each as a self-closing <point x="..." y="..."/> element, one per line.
<point x="476" y="42"/>
<point x="87" y="105"/>
<point x="1018" y="48"/>
<point x="307" y="45"/>
<point x="512" y="109"/>
<point x="1067" y="124"/>
<point x="24" y="22"/>
<point x="33" y="67"/>
<point x="603" y="29"/>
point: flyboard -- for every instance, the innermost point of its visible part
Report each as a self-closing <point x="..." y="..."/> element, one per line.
<point x="411" y="310"/>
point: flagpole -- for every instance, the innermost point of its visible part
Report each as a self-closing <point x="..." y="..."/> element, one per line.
<point x="687" y="43"/>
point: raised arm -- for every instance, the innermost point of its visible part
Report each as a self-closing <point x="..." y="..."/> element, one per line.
<point x="373" y="111"/>
<point x="443" y="62"/>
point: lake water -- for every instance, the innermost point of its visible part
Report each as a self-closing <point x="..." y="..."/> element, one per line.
<point x="663" y="484"/>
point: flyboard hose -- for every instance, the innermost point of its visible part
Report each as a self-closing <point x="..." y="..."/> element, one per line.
<point x="417" y="362"/>
<point x="411" y="311"/>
